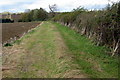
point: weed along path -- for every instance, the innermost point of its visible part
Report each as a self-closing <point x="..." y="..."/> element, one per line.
<point x="54" y="51"/>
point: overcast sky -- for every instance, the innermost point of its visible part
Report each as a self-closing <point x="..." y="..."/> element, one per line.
<point x="63" y="5"/>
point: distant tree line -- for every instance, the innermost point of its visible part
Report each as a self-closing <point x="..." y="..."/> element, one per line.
<point x="31" y="15"/>
<point x="34" y="15"/>
<point x="102" y="26"/>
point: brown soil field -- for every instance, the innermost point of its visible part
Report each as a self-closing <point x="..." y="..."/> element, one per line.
<point x="13" y="31"/>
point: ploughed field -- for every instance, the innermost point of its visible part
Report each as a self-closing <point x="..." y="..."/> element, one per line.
<point x="13" y="31"/>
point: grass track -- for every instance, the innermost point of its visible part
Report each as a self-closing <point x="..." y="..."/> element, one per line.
<point x="92" y="59"/>
<point x="52" y="51"/>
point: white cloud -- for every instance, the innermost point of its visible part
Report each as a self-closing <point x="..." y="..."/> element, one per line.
<point x="62" y="4"/>
<point x="67" y="4"/>
<point x="2" y="3"/>
<point x="12" y="2"/>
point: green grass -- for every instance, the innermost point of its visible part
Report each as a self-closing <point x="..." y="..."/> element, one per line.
<point x="55" y="51"/>
<point x="41" y="58"/>
<point x="41" y="39"/>
<point x="92" y="59"/>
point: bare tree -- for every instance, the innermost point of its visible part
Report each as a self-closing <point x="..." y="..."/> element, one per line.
<point x="53" y="8"/>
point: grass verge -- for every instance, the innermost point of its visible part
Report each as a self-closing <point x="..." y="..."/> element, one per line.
<point x="92" y="59"/>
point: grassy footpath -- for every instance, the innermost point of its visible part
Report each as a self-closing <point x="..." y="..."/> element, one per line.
<point x="54" y="51"/>
<point x="44" y="55"/>
<point x="91" y="59"/>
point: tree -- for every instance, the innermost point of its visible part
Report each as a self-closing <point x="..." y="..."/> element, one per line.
<point x="42" y="14"/>
<point x="53" y="9"/>
<point x="26" y="17"/>
<point x="39" y="14"/>
<point x="35" y="15"/>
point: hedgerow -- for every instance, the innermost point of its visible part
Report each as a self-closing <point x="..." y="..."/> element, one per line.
<point x="102" y="26"/>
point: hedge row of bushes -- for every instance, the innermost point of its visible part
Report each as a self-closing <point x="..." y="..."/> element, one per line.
<point x="6" y="21"/>
<point x="102" y="26"/>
